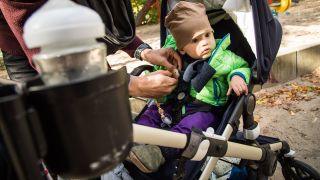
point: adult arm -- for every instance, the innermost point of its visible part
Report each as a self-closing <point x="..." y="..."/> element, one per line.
<point x="166" y="57"/>
<point x="15" y="13"/>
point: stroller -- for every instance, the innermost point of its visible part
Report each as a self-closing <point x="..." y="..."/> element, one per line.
<point x="268" y="35"/>
<point x="70" y="154"/>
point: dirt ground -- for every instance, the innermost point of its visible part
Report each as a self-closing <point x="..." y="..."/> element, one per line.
<point x="291" y="112"/>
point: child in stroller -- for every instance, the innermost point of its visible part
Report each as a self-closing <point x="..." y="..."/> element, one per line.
<point x="209" y="75"/>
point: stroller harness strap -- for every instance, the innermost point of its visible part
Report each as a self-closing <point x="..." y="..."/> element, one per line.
<point x="188" y="104"/>
<point x="183" y="104"/>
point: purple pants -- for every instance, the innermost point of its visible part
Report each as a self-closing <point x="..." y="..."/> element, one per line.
<point x="199" y="120"/>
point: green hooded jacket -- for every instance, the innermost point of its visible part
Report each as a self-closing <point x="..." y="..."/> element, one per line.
<point x="226" y="64"/>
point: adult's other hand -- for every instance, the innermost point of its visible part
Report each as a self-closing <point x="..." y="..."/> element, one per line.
<point x="153" y="85"/>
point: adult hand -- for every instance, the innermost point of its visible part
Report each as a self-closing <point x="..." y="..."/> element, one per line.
<point x="166" y="57"/>
<point x="238" y="85"/>
<point x="153" y="85"/>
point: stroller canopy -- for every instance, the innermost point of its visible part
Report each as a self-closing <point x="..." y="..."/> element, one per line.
<point x="268" y="33"/>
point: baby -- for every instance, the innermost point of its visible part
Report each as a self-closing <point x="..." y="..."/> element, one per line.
<point x="212" y="72"/>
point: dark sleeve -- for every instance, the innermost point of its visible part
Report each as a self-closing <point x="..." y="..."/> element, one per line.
<point x="131" y="48"/>
<point x="8" y="42"/>
<point x="15" y="13"/>
<point x="117" y="16"/>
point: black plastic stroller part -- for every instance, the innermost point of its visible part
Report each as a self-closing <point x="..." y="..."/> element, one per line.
<point x="15" y="128"/>
<point x="218" y="148"/>
<point x="194" y="140"/>
<point x="268" y="165"/>
<point x="86" y="124"/>
<point x="293" y="169"/>
<point x="249" y="105"/>
<point x="138" y="70"/>
<point x="226" y="117"/>
<point x="180" y="173"/>
<point x="119" y="22"/>
<point x="262" y="140"/>
<point x="163" y="29"/>
<point x="232" y="115"/>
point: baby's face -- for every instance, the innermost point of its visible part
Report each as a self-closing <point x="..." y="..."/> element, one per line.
<point x="201" y="46"/>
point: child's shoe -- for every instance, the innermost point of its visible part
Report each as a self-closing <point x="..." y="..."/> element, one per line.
<point x="148" y="158"/>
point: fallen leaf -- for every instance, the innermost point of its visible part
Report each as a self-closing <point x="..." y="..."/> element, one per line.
<point x="315" y="120"/>
<point x="265" y="131"/>
<point x="262" y="101"/>
<point x="278" y="102"/>
<point x="256" y="118"/>
<point x="292" y="113"/>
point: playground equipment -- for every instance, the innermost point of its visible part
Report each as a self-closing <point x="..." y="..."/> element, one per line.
<point x="279" y="6"/>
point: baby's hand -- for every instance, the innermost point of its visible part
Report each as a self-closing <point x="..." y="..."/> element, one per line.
<point x="238" y="85"/>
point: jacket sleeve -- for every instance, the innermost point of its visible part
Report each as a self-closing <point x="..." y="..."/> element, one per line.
<point x="239" y="67"/>
<point x="131" y="48"/>
<point x="170" y="42"/>
<point x="15" y="14"/>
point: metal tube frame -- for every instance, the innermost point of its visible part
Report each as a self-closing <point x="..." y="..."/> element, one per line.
<point x="149" y="135"/>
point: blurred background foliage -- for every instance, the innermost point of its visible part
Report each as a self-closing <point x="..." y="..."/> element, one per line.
<point x="1" y="62"/>
<point x="146" y="11"/>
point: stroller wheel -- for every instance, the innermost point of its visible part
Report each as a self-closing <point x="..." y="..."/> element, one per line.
<point x="295" y="170"/>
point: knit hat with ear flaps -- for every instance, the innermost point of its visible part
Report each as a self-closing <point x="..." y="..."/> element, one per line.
<point x="186" y="21"/>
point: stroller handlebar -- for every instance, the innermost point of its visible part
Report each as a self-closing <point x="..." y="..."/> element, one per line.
<point x="194" y="144"/>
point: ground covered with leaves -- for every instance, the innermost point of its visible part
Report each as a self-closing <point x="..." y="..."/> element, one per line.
<point x="290" y="93"/>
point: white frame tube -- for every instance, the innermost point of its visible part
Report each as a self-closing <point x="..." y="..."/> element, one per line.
<point x="213" y="160"/>
<point x="148" y="135"/>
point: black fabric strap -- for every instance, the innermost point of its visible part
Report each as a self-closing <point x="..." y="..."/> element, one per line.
<point x="196" y="138"/>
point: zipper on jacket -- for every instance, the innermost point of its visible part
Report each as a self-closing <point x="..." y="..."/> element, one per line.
<point x="220" y="93"/>
<point x="215" y="93"/>
<point x="217" y="47"/>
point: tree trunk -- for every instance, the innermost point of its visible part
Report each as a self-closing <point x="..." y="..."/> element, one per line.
<point x="142" y="13"/>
